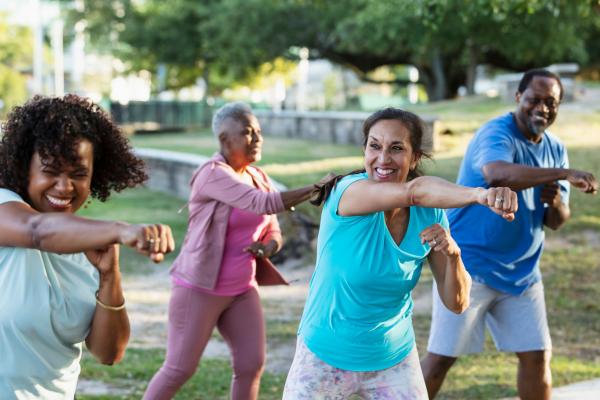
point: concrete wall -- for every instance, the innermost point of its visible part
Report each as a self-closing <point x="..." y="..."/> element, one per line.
<point x="330" y="126"/>
<point x="509" y="83"/>
<point x="171" y="171"/>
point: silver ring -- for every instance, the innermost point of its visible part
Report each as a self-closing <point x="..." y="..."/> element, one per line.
<point x="261" y="252"/>
<point x="500" y="200"/>
<point x="434" y="242"/>
<point x="157" y="240"/>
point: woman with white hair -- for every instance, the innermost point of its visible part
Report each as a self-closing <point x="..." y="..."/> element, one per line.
<point x="232" y="230"/>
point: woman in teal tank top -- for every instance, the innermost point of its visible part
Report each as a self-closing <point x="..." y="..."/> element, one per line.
<point x="377" y="227"/>
<point x="60" y="282"/>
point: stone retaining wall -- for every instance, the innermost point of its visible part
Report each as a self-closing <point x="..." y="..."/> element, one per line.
<point x="329" y="126"/>
<point x="171" y="171"/>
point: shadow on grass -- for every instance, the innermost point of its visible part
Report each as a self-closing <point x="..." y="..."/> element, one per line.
<point x="486" y="391"/>
<point x="211" y="380"/>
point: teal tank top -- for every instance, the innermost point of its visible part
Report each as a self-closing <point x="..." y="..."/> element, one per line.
<point x="358" y="312"/>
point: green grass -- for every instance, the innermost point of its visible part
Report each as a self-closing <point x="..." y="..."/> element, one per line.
<point x="274" y="151"/>
<point x="210" y="382"/>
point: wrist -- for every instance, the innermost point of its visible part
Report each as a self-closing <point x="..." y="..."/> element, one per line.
<point x="120" y="231"/>
<point x="111" y="276"/>
<point x="477" y="192"/>
<point x="272" y="246"/>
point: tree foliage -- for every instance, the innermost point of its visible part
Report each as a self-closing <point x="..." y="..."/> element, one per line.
<point x="444" y="39"/>
<point x="16" y="51"/>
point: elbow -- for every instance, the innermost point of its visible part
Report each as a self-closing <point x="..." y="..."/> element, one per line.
<point x="461" y="308"/>
<point x="415" y="194"/>
<point x="494" y="180"/>
<point x="111" y="358"/>
<point x="38" y="232"/>
<point x="554" y="225"/>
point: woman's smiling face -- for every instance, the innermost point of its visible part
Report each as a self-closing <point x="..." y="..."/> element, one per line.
<point x="61" y="188"/>
<point x="389" y="155"/>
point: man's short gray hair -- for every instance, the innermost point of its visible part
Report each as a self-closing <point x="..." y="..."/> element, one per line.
<point x="227" y="114"/>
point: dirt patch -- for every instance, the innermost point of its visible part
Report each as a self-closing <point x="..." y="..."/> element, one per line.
<point x="148" y="302"/>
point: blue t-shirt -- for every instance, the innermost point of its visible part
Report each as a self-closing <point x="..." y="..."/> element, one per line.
<point x="358" y="312"/>
<point x="505" y="255"/>
<point x="46" y="309"/>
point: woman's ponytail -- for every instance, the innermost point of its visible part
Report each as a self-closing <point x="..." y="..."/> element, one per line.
<point x="325" y="190"/>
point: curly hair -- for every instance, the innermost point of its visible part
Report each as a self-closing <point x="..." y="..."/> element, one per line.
<point x="417" y="139"/>
<point x="52" y="127"/>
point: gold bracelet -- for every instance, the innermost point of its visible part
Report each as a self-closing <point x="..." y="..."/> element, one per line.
<point x="122" y="306"/>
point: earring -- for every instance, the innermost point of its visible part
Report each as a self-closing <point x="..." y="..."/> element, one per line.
<point x="89" y="201"/>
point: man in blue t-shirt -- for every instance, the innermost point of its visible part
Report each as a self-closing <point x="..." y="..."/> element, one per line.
<point x="515" y="151"/>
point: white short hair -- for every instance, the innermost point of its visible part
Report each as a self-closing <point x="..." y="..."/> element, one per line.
<point x="227" y="114"/>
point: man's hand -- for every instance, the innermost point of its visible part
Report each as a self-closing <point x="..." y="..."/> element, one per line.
<point x="551" y="195"/>
<point x="582" y="180"/>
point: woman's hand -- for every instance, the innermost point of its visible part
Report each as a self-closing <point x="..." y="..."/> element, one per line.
<point x="263" y="250"/>
<point x="501" y="201"/>
<point x="153" y="241"/>
<point x="439" y="239"/>
<point x="105" y="260"/>
<point x="325" y="179"/>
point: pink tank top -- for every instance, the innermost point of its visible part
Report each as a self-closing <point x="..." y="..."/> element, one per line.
<point x="238" y="269"/>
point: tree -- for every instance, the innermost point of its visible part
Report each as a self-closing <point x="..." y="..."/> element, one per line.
<point x="15" y="53"/>
<point x="182" y="34"/>
<point x="444" y="39"/>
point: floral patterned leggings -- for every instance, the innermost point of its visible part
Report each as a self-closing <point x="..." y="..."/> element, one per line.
<point x="311" y="378"/>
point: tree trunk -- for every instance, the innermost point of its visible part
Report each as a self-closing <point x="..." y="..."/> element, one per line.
<point x="472" y="67"/>
<point x="438" y="87"/>
<point x="206" y="77"/>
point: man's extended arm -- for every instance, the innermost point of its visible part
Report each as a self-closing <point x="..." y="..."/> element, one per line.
<point x="520" y="177"/>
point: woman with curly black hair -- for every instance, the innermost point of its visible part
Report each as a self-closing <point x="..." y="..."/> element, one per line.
<point x="54" y="154"/>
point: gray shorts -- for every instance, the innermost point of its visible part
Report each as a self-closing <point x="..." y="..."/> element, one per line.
<point x="517" y="323"/>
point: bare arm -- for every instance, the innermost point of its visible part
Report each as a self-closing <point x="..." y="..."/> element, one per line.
<point x="557" y="213"/>
<point x="520" y="177"/>
<point x="64" y="233"/>
<point x="109" y="332"/>
<point x="293" y="197"/>
<point x="453" y="280"/>
<point x="368" y="196"/>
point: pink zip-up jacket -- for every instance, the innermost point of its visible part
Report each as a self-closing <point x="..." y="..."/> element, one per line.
<point x="215" y="190"/>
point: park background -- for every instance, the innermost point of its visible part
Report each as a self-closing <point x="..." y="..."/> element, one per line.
<point x="453" y="61"/>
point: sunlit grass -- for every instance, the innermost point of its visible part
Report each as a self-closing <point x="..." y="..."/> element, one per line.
<point x="210" y="382"/>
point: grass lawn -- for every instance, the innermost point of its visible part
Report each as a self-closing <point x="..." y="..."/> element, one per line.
<point x="571" y="272"/>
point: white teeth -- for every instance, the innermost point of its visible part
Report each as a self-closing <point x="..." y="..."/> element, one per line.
<point x="538" y="117"/>
<point x="58" y="202"/>
<point x="384" y="171"/>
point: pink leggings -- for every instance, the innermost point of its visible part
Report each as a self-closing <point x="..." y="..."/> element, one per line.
<point x="192" y="318"/>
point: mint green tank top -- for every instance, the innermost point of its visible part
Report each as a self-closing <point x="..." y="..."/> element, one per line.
<point x="46" y="308"/>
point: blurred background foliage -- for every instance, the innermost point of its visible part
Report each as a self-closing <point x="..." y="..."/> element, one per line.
<point x="229" y="42"/>
<point x="16" y="51"/>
